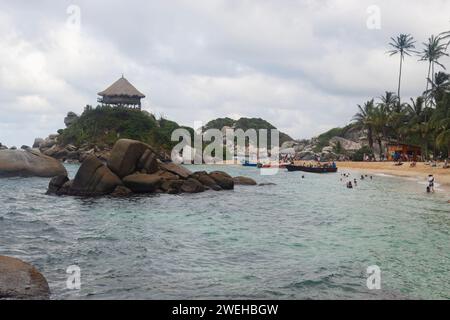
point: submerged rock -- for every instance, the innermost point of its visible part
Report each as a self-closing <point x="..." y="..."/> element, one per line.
<point x="244" y="181"/>
<point x="28" y="163"/>
<point x="20" y="280"/>
<point x="192" y="185"/>
<point x="223" y="179"/>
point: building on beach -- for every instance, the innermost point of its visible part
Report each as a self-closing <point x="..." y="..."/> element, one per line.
<point x="121" y="94"/>
<point x="401" y="151"/>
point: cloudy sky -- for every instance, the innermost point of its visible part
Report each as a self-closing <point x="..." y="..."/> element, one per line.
<point x="302" y="65"/>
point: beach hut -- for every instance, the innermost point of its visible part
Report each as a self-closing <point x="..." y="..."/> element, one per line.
<point x="121" y="94"/>
<point x="401" y="151"/>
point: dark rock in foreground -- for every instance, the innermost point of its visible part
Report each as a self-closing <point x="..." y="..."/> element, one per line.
<point x="29" y="163"/>
<point x="133" y="167"/>
<point x="20" y="280"/>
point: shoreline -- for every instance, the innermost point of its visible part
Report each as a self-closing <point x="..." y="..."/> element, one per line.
<point x="421" y="171"/>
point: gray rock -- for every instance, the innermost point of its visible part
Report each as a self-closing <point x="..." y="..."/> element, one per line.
<point x="37" y="142"/>
<point x="29" y="163"/>
<point x="20" y="280"/>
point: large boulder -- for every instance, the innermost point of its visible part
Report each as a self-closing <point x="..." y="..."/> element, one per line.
<point x="175" y="169"/>
<point x="244" y="181"/>
<point x="125" y="156"/>
<point x="29" y="163"/>
<point x="94" y="178"/>
<point x="37" y="142"/>
<point x="223" y="179"/>
<point x="56" y="184"/>
<point x="192" y="185"/>
<point x="20" y="280"/>
<point x="347" y="145"/>
<point x="172" y="186"/>
<point x="142" y="183"/>
<point x="148" y="162"/>
<point x="206" y="180"/>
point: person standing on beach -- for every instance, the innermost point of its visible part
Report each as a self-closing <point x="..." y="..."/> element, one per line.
<point x="431" y="182"/>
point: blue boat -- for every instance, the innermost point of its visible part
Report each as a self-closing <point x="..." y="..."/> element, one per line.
<point x="246" y="163"/>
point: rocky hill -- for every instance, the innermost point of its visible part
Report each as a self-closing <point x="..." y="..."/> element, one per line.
<point x="347" y="143"/>
<point x="96" y="130"/>
<point x="245" y="124"/>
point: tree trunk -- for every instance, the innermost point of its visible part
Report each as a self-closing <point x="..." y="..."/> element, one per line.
<point x="370" y="138"/>
<point x="400" y="78"/>
<point x="381" y="149"/>
<point x="428" y="77"/>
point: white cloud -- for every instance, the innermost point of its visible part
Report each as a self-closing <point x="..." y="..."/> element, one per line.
<point x="302" y="65"/>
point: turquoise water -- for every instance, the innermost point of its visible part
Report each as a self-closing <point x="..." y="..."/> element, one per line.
<point x="306" y="238"/>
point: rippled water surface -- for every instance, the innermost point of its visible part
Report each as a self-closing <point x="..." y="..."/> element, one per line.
<point x="298" y="239"/>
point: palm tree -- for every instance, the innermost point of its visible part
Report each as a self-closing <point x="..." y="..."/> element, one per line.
<point x="363" y="119"/>
<point x="433" y="50"/>
<point x="389" y="101"/>
<point x="440" y="122"/>
<point x="417" y="126"/>
<point x="379" y="120"/>
<point x="402" y="45"/>
<point x="439" y="87"/>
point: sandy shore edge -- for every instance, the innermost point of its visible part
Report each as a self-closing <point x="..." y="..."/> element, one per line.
<point x="421" y="171"/>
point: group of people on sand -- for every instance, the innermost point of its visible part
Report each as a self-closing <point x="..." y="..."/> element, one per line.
<point x="350" y="184"/>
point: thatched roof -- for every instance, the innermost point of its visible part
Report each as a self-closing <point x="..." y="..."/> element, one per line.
<point x="122" y="88"/>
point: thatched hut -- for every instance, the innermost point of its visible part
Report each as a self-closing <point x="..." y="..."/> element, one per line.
<point x="122" y="94"/>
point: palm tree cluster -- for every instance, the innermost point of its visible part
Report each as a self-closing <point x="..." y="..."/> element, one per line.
<point x="425" y="120"/>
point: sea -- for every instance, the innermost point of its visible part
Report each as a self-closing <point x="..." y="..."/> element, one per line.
<point x="303" y="236"/>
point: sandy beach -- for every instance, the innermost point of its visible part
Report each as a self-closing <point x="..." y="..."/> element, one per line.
<point x="420" y="171"/>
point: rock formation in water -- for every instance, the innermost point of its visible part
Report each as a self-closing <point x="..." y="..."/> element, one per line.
<point x="20" y="280"/>
<point x="133" y="167"/>
<point x="28" y="163"/>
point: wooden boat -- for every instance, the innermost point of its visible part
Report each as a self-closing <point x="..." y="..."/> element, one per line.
<point x="292" y="167"/>
<point x="273" y="165"/>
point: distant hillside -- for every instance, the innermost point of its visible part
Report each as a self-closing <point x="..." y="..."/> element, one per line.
<point x="245" y="124"/>
<point x="103" y="126"/>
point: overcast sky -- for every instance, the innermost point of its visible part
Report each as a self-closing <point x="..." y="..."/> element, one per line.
<point x="301" y="65"/>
